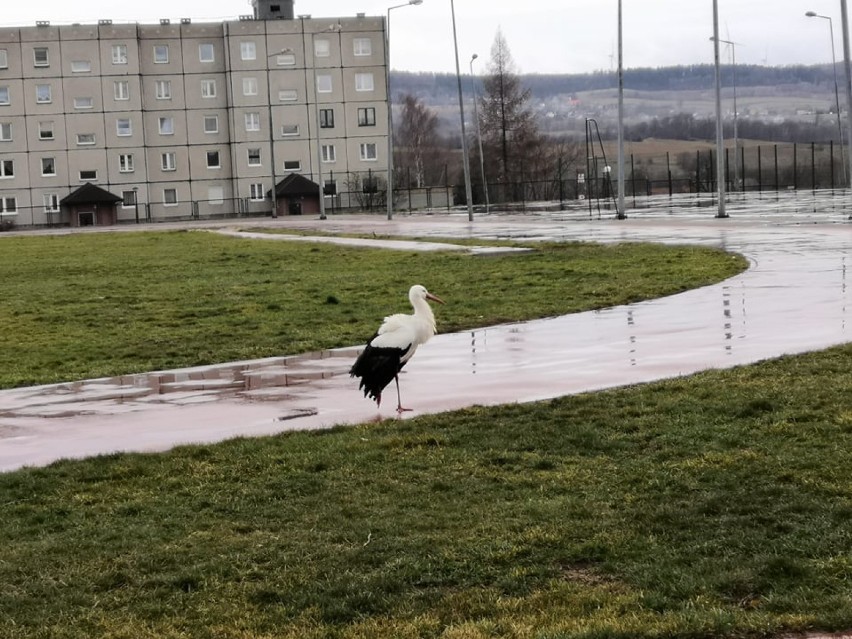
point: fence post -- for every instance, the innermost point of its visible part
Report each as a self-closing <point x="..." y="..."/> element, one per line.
<point x="633" y="180"/>
<point x="776" y="167"/>
<point x="742" y="186"/>
<point x="831" y="161"/>
<point x="669" y="172"/>
<point x="698" y="171"/>
<point x="795" y="166"/>
<point x="759" y="171"/>
<point x="813" y="166"/>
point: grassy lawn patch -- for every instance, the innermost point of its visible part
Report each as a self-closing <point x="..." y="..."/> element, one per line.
<point x="88" y="305"/>
<point x="715" y="505"/>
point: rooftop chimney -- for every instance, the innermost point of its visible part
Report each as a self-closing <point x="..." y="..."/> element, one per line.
<point x="273" y="9"/>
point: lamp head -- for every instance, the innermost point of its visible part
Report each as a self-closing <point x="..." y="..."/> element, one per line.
<point x="474" y="57"/>
<point x="415" y="2"/>
<point x="811" y="14"/>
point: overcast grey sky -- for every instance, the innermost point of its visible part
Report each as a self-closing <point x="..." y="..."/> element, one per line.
<point x="544" y="36"/>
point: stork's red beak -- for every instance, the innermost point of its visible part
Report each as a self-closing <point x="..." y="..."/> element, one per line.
<point x="434" y="298"/>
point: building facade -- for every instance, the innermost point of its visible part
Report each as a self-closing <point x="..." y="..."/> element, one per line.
<point x="189" y="120"/>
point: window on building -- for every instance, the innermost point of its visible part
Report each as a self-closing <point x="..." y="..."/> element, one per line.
<point x="5" y="131"/>
<point x="125" y="163"/>
<point x="121" y="89"/>
<point x="289" y="130"/>
<point x="167" y="126"/>
<point x="368" y="151"/>
<point x="163" y="89"/>
<point x="128" y="199"/>
<point x="119" y="54"/>
<point x="248" y="51"/>
<point x="81" y="66"/>
<point x="170" y="197"/>
<point x="4" y="59"/>
<point x="85" y="139"/>
<point x="208" y="88"/>
<point x="4" y="95"/>
<point x="330" y="187"/>
<point x="285" y="60"/>
<point x="211" y="124"/>
<point x="41" y="57"/>
<point x="328" y="152"/>
<point x="213" y="160"/>
<point x="364" y="82"/>
<point x="326" y="118"/>
<point x="8" y="205"/>
<point x="123" y="127"/>
<point x="48" y="166"/>
<point x="363" y="46"/>
<point x="84" y="103"/>
<point x="45" y="130"/>
<point x="292" y="165"/>
<point x="252" y="121"/>
<point x="324" y="84"/>
<point x="254" y="157"/>
<point x="215" y="194"/>
<point x="168" y="161"/>
<point x="206" y="52"/>
<point x="161" y="53"/>
<point x="367" y="116"/>
<point x="256" y="191"/>
<point x="87" y="175"/>
<point x="249" y="86"/>
<point x="44" y="95"/>
<point x="322" y="47"/>
<point x="7" y="168"/>
<point x="288" y="95"/>
<point x="51" y="202"/>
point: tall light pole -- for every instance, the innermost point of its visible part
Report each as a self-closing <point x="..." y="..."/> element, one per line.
<point x="720" y="141"/>
<point x="334" y="28"/>
<point x="272" y="129"/>
<point x="814" y="14"/>
<point x="844" y="22"/>
<point x="390" y="103"/>
<point x="479" y="134"/>
<point x="620" y="213"/>
<point x="733" y="46"/>
<point x="465" y="153"/>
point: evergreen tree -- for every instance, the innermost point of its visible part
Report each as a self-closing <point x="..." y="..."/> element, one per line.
<point x="509" y="130"/>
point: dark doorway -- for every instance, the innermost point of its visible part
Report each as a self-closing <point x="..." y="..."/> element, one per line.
<point x="295" y="207"/>
<point x="87" y="218"/>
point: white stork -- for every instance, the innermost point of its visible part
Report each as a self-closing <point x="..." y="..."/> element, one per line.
<point x="393" y="345"/>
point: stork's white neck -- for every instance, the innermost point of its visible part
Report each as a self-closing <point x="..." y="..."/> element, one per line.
<point x="423" y="312"/>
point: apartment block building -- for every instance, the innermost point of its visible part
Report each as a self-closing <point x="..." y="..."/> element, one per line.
<point x="182" y="119"/>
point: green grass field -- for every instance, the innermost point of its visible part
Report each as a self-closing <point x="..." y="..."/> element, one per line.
<point x="91" y="305"/>
<point x="717" y="505"/>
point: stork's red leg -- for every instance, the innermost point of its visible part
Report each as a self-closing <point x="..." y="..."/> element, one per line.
<point x="399" y="408"/>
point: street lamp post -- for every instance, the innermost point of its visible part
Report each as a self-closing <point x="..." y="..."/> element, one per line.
<point x="847" y="69"/>
<point x="465" y="153"/>
<point x="720" y="141"/>
<point x="814" y="14"/>
<point x="479" y="135"/>
<point x="390" y="103"/>
<point x="335" y="28"/>
<point x="272" y="129"/>
<point x="733" y="46"/>
<point x="620" y="213"/>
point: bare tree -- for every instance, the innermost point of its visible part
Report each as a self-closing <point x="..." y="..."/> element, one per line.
<point x="508" y="126"/>
<point x="418" y="144"/>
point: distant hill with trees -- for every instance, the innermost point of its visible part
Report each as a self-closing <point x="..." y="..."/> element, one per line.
<point x="678" y="78"/>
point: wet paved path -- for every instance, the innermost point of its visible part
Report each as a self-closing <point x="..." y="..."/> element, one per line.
<point x="794" y="298"/>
